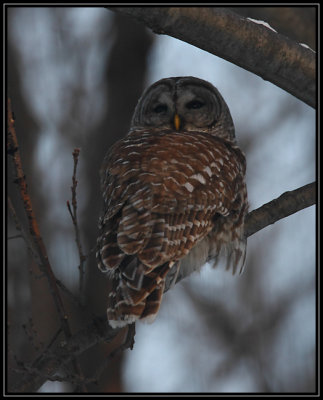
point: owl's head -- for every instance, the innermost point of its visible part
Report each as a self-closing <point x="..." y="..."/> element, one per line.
<point x="184" y="104"/>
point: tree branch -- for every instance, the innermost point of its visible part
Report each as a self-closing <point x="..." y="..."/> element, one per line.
<point x="24" y="235"/>
<point x="288" y="203"/>
<point x="242" y="41"/>
<point x="73" y="214"/>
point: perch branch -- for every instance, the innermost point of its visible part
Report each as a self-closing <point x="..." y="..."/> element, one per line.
<point x="242" y="41"/>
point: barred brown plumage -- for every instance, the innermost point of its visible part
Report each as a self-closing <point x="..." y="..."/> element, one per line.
<point x="165" y="189"/>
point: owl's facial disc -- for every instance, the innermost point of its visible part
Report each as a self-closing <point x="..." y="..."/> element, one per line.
<point x="182" y="104"/>
<point x="184" y="107"/>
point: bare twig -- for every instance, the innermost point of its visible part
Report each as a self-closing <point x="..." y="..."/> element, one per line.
<point x="40" y="249"/>
<point x="73" y="214"/>
<point x="244" y="42"/>
<point x="15" y="237"/>
<point x="35" y="256"/>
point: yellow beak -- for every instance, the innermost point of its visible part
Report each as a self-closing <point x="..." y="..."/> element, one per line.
<point x="177" y="121"/>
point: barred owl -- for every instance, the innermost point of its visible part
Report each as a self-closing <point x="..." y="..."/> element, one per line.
<point x="177" y="177"/>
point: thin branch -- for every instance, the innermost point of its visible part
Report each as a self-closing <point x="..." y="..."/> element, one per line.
<point x="73" y="214"/>
<point x="35" y="256"/>
<point x="40" y="249"/>
<point x="15" y="237"/>
<point x="22" y="234"/>
<point x="242" y="41"/>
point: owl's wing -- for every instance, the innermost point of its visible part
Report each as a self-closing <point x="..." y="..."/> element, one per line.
<point x="164" y="192"/>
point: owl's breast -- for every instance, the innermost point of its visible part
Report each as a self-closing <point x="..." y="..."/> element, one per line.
<point x="175" y="167"/>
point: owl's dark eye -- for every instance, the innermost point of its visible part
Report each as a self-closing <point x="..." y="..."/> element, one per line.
<point x="194" y="104"/>
<point x="161" y="108"/>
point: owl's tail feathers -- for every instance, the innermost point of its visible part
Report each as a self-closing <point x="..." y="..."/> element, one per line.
<point x="137" y="298"/>
<point x="236" y="255"/>
<point x="108" y="254"/>
<point x="229" y="247"/>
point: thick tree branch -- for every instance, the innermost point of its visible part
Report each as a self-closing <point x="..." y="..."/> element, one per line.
<point x="248" y="44"/>
<point x="99" y="330"/>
